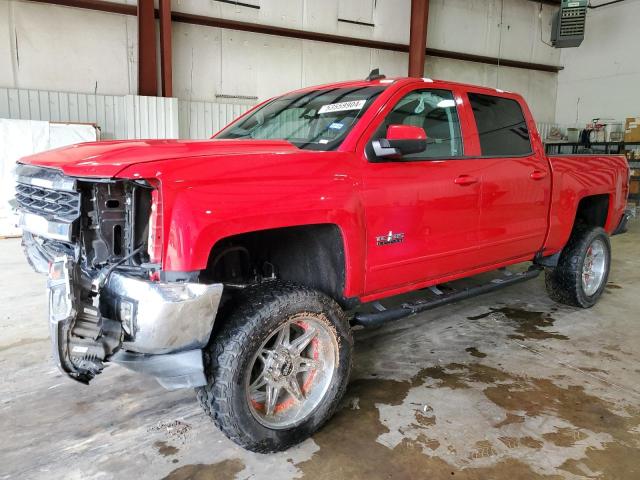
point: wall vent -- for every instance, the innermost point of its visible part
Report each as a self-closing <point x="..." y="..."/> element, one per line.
<point x="568" y="25"/>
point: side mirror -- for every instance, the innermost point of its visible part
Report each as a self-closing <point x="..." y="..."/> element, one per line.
<point x="400" y="140"/>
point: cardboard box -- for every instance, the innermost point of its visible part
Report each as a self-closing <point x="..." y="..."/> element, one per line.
<point x="632" y="129"/>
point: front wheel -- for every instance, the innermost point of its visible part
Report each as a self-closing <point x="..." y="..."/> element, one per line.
<point x="583" y="268"/>
<point x="278" y="367"/>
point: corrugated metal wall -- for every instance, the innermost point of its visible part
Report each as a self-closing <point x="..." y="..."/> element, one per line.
<point x="203" y="119"/>
<point x="544" y="129"/>
<point x="151" y="117"/>
<point x="133" y="116"/>
<point x="107" y="111"/>
<point x="128" y="116"/>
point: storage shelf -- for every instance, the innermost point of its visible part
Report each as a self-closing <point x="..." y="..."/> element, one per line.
<point x="607" y="148"/>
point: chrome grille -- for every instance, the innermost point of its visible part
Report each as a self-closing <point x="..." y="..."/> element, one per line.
<point x="48" y="203"/>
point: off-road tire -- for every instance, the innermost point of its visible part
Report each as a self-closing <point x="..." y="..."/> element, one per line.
<point x="257" y="313"/>
<point x="564" y="282"/>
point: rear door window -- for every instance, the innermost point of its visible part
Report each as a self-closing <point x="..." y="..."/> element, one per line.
<point x="501" y="126"/>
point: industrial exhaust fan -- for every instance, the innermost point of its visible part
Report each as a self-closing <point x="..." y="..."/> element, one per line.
<point x="567" y="29"/>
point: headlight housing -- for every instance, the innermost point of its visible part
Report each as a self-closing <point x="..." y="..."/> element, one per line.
<point x="154" y="239"/>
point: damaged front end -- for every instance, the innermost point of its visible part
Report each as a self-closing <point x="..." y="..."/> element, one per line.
<point x="99" y="242"/>
<point x="82" y="339"/>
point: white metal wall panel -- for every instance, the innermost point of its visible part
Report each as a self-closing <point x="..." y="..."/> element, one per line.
<point x="118" y="117"/>
<point x="544" y="129"/>
<point x="356" y="10"/>
<point x="151" y="117"/>
<point x="132" y="116"/>
<point x="19" y="138"/>
<point x="103" y="110"/>
<point x="200" y="120"/>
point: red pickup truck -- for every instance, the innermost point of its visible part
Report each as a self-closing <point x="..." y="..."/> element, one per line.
<point x="230" y="264"/>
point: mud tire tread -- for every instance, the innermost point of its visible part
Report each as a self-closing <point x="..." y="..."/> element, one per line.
<point x="222" y="358"/>
<point x="564" y="282"/>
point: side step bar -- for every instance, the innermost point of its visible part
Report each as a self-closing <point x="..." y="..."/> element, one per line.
<point x="380" y="317"/>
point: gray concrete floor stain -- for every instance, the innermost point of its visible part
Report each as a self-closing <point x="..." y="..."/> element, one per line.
<point x="505" y="386"/>
<point x="529" y="324"/>
<point x="474" y="352"/>
<point x="217" y="471"/>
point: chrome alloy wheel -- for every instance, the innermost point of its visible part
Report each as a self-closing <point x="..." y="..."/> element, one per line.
<point x="594" y="267"/>
<point x="291" y="372"/>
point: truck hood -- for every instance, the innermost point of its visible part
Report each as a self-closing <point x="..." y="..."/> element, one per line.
<point x="108" y="158"/>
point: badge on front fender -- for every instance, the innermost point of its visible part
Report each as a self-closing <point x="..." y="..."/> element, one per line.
<point x="389" y="239"/>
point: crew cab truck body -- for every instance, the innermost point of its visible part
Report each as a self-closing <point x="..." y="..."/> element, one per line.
<point x="228" y="264"/>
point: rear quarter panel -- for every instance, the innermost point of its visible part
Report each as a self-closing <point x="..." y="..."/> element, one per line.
<point x="576" y="177"/>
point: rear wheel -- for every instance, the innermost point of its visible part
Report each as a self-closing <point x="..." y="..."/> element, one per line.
<point x="583" y="268"/>
<point x="278" y="367"/>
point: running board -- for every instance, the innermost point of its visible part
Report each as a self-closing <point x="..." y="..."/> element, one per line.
<point x="380" y="317"/>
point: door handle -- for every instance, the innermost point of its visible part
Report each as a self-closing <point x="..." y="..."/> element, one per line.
<point x="465" y="180"/>
<point x="538" y="174"/>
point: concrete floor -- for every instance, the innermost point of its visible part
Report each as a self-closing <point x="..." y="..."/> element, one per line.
<point x="505" y="386"/>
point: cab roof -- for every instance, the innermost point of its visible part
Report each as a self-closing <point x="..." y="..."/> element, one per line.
<point x="399" y="82"/>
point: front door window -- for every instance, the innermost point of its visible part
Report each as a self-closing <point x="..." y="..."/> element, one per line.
<point x="435" y="112"/>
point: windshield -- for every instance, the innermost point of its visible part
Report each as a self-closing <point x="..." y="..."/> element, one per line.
<point x="314" y="120"/>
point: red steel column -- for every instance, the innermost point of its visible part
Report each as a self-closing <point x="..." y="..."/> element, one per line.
<point x="418" y="37"/>
<point x="165" y="48"/>
<point x="147" y="63"/>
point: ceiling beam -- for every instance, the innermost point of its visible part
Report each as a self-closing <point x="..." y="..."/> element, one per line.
<point x="555" y="3"/>
<point x="357" y="42"/>
<point x="302" y="34"/>
<point x="98" y="5"/>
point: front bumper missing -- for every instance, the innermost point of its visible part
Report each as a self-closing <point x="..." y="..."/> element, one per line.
<point x="168" y="324"/>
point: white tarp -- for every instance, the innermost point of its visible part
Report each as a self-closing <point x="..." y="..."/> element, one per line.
<point x="19" y="138"/>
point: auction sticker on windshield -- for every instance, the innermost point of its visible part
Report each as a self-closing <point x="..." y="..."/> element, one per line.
<point x="342" y="106"/>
